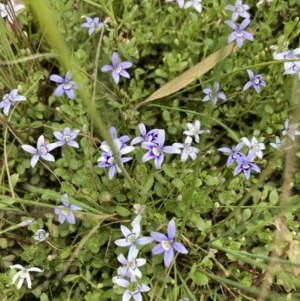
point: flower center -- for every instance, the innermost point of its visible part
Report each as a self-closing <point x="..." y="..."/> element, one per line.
<point x="188" y="149"/>
<point x="118" y="69"/>
<point x="42" y="235"/>
<point x="111" y="160"/>
<point x="156" y="151"/>
<point x="166" y="245"/>
<point x="65" y="211"/>
<point x="256" y="81"/>
<point x="67" y="86"/>
<point x="133" y="288"/>
<point x="132" y="264"/>
<point x="93" y="24"/>
<point x="23" y="274"/>
<point x="67" y="138"/>
<point x="43" y="150"/>
<point x="239" y="33"/>
<point x="131" y="237"/>
<point x="240" y="9"/>
<point x="7" y="98"/>
<point x="245" y="165"/>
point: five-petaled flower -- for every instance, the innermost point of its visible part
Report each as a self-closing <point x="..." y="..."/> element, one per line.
<point x="239" y="34"/>
<point x="41" y="151"/>
<point x="239" y="9"/>
<point x="92" y="24"/>
<point x="254" y="146"/>
<point x="150" y="136"/>
<point x="117" y="69"/>
<point x="255" y="80"/>
<point x="195" y="3"/>
<point x="23" y="274"/>
<point x="195" y="130"/>
<point x="130" y="266"/>
<point x="245" y="164"/>
<point x="188" y="150"/>
<point x="40" y="235"/>
<point x="66" y="137"/>
<point x="133" y="289"/>
<point x="132" y="237"/>
<point x="65" y="211"/>
<point x="290" y="129"/>
<point x="213" y="94"/>
<point x="156" y="150"/>
<point x="278" y="143"/>
<point x="10" y="99"/>
<point x="5" y="11"/>
<point x="233" y="153"/>
<point x="167" y="245"/>
<point x="107" y="158"/>
<point x="66" y="85"/>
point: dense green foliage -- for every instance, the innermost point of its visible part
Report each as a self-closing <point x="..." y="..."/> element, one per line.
<point x="228" y="224"/>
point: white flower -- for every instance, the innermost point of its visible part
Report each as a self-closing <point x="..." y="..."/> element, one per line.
<point x="23" y="274"/>
<point x="130" y="265"/>
<point x="254" y="146"/>
<point x="133" y="289"/>
<point x="195" y="3"/>
<point x="5" y="11"/>
<point x="188" y="150"/>
<point x="194" y="130"/>
<point x="290" y="129"/>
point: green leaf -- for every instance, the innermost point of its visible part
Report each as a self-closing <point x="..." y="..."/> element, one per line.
<point x="199" y="278"/>
<point x="124" y="212"/>
<point x="71" y="277"/>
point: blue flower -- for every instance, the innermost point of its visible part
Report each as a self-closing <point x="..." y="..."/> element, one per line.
<point x="233" y="153"/>
<point x="287" y="55"/>
<point x="42" y="151"/>
<point x="66" y="137"/>
<point x="238" y="32"/>
<point x="40" y="235"/>
<point x="65" y="211"/>
<point x="213" y="94"/>
<point x="107" y="158"/>
<point x="156" y="150"/>
<point x="92" y="24"/>
<point x="239" y="9"/>
<point x="10" y="99"/>
<point x="292" y="68"/>
<point x="151" y="136"/>
<point x="167" y="245"/>
<point x="117" y="69"/>
<point x="188" y="150"/>
<point x="255" y="80"/>
<point x="66" y="85"/>
<point x="245" y="165"/>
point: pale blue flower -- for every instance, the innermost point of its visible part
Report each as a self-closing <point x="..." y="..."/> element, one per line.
<point x="66" y="137"/>
<point x="156" y="150"/>
<point x="292" y="68"/>
<point x="245" y="164"/>
<point x="117" y="69"/>
<point x="133" y="289"/>
<point x="65" y="211"/>
<point x="239" y="9"/>
<point x="131" y="238"/>
<point x="92" y="24"/>
<point x="66" y="85"/>
<point x="278" y="143"/>
<point x="167" y="245"/>
<point x="255" y="80"/>
<point x="42" y="151"/>
<point x="23" y="274"/>
<point x="233" y="153"/>
<point x="196" y="4"/>
<point x="150" y="136"/>
<point x="10" y="99"/>
<point x="213" y="94"/>
<point x="239" y="34"/>
<point x="40" y="235"/>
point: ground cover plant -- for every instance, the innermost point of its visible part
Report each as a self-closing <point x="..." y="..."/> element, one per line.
<point x="149" y="150"/>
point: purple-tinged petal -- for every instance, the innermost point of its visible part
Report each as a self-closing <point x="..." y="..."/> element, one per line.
<point x="180" y="248"/>
<point x="34" y="160"/>
<point x="144" y="240"/>
<point x="244" y="24"/>
<point x="106" y="68"/>
<point x="158" y="249"/>
<point x="116" y="77"/>
<point x="124" y="74"/>
<point x="168" y="257"/>
<point x="29" y="149"/>
<point x="115" y="59"/>
<point x="171" y="229"/>
<point x="125" y="65"/>
<point x="157" y="236"/>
